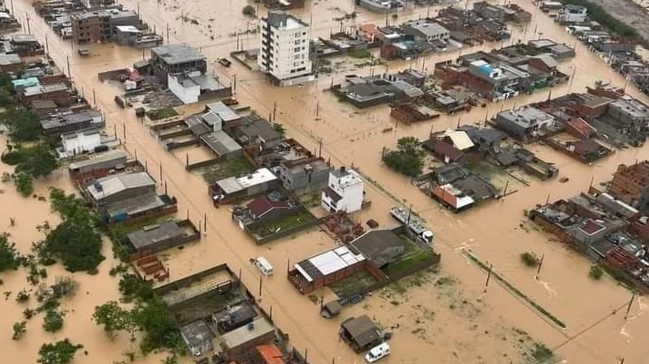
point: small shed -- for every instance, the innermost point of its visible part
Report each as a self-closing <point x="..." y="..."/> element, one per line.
<point x="198" y="337"/>
<point x="234" y="317"/>
<point x="331" y="309"/>
<point x="360" y="333"/>
<point x="257" y="332"/>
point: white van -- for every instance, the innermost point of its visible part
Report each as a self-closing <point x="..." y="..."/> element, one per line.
<point x="377" y="353"/>
<point x="264" y="266"/>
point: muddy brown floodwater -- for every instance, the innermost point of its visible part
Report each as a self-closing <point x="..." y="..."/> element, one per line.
<point x="445" y="315"/>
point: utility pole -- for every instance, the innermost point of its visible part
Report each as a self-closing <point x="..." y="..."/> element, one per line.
<point x="47" y="47"/>
<point x="320" y="147"/>
<point x="491" y="266"/>
<point x="538" y="271"/>
<point x="68" y="63"/>
<point x="29" y="29"/>
<point x="234" y="83"/>
<point x="94" y="97"/>
<point x="168" y="41"/>
<point x="261" y="282"/>
<point x="274" y="111"/>
<point x="626" y="315"/>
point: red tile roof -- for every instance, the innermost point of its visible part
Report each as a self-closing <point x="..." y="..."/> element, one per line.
<point x="270" y="354"/>
<point x="442" y="149"/>
<point x="262" y="205"/>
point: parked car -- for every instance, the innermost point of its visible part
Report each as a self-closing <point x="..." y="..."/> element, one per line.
<point x="377" y="353"/>
<point x="224" y="62"/>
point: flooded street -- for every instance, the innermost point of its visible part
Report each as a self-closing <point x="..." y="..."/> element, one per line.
<point x="455" y="320"/>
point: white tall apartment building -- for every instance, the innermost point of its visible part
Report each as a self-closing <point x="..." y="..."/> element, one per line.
<point x="284" y="49"/>
<point x="344" y="192"/>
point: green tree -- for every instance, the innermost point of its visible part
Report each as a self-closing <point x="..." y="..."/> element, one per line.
<point x="60" y="352"/>
<point x="53" y="321"/>
<point x="407" y="159"/>
<point x="9" y="256"/>
<point x="249" y="11"/>
<point x="114" y="318"/>
<point x="37" y="161"/>
<point x="23" y="124"/>
<point x="596" y="272"/>
<point x="133" y="287"/>
<point x="20" y="328"/>
<point x="77" y="243"/>
<point x="67" y="205"/>
<point x="64" y="287"/>
<point x="5" y="98"/>
<point x="24" y="184"/>
<point x="529" y="259"/>
<point x="279" y="128"/>
<point x="156" y="321"/>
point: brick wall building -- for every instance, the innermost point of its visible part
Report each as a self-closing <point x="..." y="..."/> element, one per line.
<point x="631" y="185"/>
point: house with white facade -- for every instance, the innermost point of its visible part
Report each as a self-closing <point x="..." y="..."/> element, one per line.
<point x="344" y="192"/>
<point x="572" y="14"/>
<point x="284" y="49"/>
<point x="80" y="142"/>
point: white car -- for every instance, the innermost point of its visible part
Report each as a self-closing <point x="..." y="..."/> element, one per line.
<point x="377" y="353"/>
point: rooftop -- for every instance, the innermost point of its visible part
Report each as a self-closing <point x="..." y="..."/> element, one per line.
<point x="258" y="127"/>
<point x="256" y="329"/>
<point x="233" y="184"/>
<point x="56" y="121"/>
<point x="362" y="330"/>
<point x="8" y="59"/>
<point x="110" y="185"/>
<point x="223" y="111"/>
<point x="152" y="234"/>
<point x="328" y="263"/>
<point x="526" y="116"/>
<point x="220" y="143"/>
<point x="115" y="154"/>
<point x="177" y="53"/>
<point x="235" y="316"/>
<point x="196" y="333"/>
<point x="429" y="29"/>
<point x="43" y="89"/>
<point x="379" y="246"/>
<point x="205" y="82"/>
<point x="280" y="19"/>
<point x="459" y="138"/>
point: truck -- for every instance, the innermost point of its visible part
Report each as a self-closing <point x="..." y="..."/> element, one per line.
<point x="412" y="223"/>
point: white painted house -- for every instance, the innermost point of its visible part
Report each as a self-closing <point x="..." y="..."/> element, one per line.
<point x="284" y="49"/>
<point x="344" y="191"/>
<point x="80" y="142"/>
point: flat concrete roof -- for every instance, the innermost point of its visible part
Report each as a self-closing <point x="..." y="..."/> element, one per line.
<point x="110" y="185"/>
<point x="177" y="53"/>
<point x="242" y="335"/>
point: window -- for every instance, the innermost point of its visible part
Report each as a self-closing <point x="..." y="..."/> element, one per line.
<point x="297" y="56"/>
<point x="297" y="42"/>
<point x="297" y="49"/>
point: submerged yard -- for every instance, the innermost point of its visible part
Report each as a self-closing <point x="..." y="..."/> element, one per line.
<point x="229" y="168"/>
<point x="411" y="257"/>
<point x="284" y="223"/>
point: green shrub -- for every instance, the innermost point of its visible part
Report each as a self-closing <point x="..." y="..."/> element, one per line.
<point x="529" y="259"/>
<point x="53" y="321"/>
<point x="596" y="272"/>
